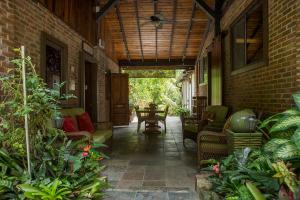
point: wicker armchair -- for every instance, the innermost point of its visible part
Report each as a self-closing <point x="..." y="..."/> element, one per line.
<point x="192" y="126"/>
<point x="212" y="145"/>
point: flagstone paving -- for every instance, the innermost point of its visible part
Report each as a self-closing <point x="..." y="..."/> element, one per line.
<point x="151" y="167"/>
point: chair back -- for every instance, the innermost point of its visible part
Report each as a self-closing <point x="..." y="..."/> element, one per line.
<point x="219" y="111"/>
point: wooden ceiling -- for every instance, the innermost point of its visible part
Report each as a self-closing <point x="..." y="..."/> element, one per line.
<point x="136" y="38"/>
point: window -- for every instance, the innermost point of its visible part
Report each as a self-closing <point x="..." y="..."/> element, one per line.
<point x="247" y="38"/>
<point x="54" y="61"/>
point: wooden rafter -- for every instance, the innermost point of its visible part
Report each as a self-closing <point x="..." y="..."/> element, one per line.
<point x="159" y="62"/>
<point x="203" y="39"/>
<point x="139" y="27"/>
<point x="122" y="31"/>
<point x="106" y="8"/>
<point x="210" y="12"/>
<point x="188" y="34"/>
<point x="173" y="28"/>
<point x="155" y="11"/>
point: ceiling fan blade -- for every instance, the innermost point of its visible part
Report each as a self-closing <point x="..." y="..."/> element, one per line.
<point x="144" y="18"/>
<point x="145" y="23"/>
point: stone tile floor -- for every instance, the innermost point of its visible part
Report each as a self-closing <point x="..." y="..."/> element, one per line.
<point x="151" y="167"/>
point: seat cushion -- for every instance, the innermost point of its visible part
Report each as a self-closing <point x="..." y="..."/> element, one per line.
<point x="101" y="136"/>
<point x="191" y="128"/>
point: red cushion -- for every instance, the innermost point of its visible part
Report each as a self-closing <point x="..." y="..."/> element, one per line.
<point x="69" y="125"/>
<point x="85" y="122"/>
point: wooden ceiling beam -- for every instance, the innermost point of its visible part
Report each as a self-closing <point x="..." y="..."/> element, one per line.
<point x="210" y="12"/>
<point x="103" y="11"/>
<point x="173" y="28"/>
<point x="139" y="27"/>
<point x="178" y="67"/>
<point x="188" y="34"/>
<point x="122" y="31"/>
<point x="159" y="62"/>
<point x="218" y="15"/>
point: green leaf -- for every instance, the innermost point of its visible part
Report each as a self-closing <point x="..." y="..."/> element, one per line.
<point x="98" y="145"/>
<point x="273" y="144"/>
<point x="255" y="191"/>
<point x="296" y="138"/>
<point x="296" y="98"/>
<point x="28" y="188"/>
<point x="287" y="151"/>
<point x="286" y="123"/>
<point x="77" y="163"/>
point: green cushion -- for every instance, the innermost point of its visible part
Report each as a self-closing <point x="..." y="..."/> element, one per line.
<point x="72" y="112"/>
<point x="220" y="112"/>
<point x="100" y="136"/>
<point x="191" y="128"/>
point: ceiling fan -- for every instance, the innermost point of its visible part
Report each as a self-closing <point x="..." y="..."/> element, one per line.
<point x="158" y="20"/>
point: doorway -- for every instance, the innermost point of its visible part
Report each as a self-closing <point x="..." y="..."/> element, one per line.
<point x="89" y="71"/>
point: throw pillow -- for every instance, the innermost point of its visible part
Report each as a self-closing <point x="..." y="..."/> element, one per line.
<point x="69" y="125"/>
<point x="85" y="122"/>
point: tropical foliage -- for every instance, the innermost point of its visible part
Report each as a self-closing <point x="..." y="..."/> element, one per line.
<point x="61" y="168"/>
<point x="161" y="91"/>
<point x="271" y="172"/>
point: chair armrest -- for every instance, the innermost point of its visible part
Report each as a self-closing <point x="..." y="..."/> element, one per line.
<point x="79" y="135"/>
<point x="212" y="137"/>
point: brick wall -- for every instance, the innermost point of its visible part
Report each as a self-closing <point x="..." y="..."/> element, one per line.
<point x="23" y="21"/>
<point x="268" y="87"/>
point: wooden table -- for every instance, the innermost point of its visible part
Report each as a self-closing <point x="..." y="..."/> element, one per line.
<point x="151" y="123"/>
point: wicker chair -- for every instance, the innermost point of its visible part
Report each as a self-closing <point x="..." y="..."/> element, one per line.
<point x="212" y="145"/>
<point x="192" y="126"/>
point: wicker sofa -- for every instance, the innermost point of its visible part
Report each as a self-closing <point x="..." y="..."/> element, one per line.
<point x="103" y="136"/>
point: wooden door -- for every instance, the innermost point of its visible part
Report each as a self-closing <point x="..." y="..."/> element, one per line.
<point x="215" y="82"/>
<point x="90" y="87"/>
<point x="119" y="99"/>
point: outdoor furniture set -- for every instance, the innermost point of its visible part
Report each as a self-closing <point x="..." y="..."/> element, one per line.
<point x="217" y="134"/>
<point x="152" y="116"/>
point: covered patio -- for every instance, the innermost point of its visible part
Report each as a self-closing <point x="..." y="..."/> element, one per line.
<point x="236" y="63"/>
<point x="151" y="167"/>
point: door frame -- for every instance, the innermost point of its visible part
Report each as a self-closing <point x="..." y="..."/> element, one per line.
<point x="84" y="57"/>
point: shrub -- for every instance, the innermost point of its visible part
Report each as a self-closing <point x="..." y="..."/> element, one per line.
<point x="59" y="169"/>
